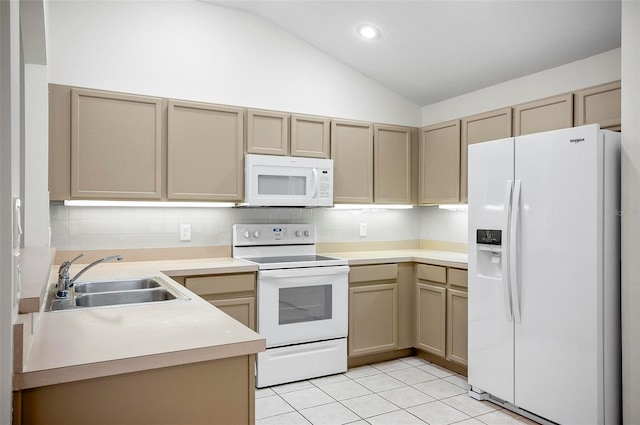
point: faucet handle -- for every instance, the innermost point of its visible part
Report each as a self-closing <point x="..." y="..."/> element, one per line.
<point x="63" y="271"/>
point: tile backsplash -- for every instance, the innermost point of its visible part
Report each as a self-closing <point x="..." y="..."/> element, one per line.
<point x="77" y="228"/>
<point x="443" y="225"/>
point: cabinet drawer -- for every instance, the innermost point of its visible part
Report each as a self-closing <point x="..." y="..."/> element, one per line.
<point x="458" y="277"/>
<point x="221" y="284"/>
<point x="432" y="273"/>
<point x="373" y="273"/>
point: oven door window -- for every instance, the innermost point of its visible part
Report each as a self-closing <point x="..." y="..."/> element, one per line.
<point x="304" y="304"/>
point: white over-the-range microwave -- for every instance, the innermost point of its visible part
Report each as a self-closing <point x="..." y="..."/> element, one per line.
<point x="287" y="181"/>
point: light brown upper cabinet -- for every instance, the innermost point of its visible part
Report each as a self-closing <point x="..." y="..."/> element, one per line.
<point x="547" y="114"/>
<point x="599" y="105"/>
<point x="116" y="145"/>
<point x="267" y="132"/>
<point x="439" y="163"/>
<point x="481" y="128"/>
<point x="205" y="160"/>
<point x="310" y="136"/>
<point x="392" y="164"/>
<point x="352" y="154"/>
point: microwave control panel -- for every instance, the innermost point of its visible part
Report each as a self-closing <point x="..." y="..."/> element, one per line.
<point x="324" y="183"/>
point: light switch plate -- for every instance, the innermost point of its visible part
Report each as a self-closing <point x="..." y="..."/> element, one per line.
<point x="363" y="229"/>
<point x="185" y="232"/>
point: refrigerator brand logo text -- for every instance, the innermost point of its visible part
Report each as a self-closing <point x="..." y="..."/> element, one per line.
<point x="576" y="140"/>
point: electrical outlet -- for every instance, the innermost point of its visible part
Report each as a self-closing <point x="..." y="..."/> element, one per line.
<point x="185" y="232"/>
<point x="363" y="229"/>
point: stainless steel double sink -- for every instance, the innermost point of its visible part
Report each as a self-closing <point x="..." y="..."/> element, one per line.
<point x="102" y="293"/>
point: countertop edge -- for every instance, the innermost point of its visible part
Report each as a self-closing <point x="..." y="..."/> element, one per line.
<point x="402" y="256"/>
<point x="36" y="265"/>
<point x="41" y="378"/>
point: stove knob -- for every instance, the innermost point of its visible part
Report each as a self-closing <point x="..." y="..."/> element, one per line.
<point x="256" y="234"/>
<point x="307" y="233"/>
<point x="246" y="234"/>
<point x="298" y="233"/>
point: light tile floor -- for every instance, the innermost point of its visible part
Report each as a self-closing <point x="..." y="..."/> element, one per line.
<point x="405" y="391"/>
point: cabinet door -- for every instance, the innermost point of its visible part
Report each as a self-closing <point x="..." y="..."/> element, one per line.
<point x="310" y="136"/>
<point x="204" y="152"/>
<point x="552" y="113"/>
<point x="481" y="128"/>
<point x="439" y="176"/>
<point x="116" y="149"/>
<point x="241" y="309"/>
<point x="267" y="132"/>
<point x="599" y="105"/>
<point x="457" y="326"/>
<point x="431" y="318"/>
<point x="352" y="154"/>
<point x="372" y="319"/>
<point x="392" y="164"/>
<point x="406" y="306"/>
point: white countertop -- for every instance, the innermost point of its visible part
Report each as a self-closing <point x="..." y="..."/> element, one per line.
<point x="89" y="343"/>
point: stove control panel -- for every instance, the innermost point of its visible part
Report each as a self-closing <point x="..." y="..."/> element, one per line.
<point x="273" y="234"/>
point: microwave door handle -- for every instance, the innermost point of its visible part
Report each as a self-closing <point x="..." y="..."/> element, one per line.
<point x="315" y="183"/>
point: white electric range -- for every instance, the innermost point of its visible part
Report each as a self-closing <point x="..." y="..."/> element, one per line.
<point x="302" y="302"/>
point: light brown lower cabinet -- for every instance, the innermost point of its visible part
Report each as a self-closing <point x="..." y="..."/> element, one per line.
<point x="441" y="312"/>
<point x="457" y="307"/>
<point x="211" y="392"/>
<point x="431" y="318"/>
<point x="372" y="319"/>
<point x="234" y="294"/>
<point x="241" y="309"/>
<point x="373" y="313"/>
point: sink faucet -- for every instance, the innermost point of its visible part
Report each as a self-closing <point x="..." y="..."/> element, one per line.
<point x="64" y="282"/>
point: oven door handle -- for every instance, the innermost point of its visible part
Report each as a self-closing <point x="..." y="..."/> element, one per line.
<point x="303" y="272"/>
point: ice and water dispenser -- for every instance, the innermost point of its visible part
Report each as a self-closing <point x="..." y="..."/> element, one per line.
<point x="489" y="255"/>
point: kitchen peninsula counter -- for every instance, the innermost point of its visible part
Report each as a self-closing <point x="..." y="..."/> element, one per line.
<point x="89" y="343"/>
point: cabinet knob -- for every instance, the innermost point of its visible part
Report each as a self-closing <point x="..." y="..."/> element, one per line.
<point x="256" y="234"/>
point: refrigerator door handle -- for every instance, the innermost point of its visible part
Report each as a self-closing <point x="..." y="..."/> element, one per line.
<point x="513" y="251"/>
<point x="506" y="279"/>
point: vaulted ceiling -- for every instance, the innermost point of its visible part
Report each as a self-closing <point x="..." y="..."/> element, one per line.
<point x="434" y="50"/>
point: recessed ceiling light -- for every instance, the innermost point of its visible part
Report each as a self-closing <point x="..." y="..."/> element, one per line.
<point x="368" y="31"/>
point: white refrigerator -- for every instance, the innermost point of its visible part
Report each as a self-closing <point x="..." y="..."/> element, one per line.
<point x="544" y="275"/>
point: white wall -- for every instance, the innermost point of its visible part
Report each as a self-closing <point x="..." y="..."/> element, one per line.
<point x="598" y="69"/>
<point x="222" y="56"/>
<point x="78" y="228"/>
<point x="630" y="211"/>
<point x="35" y="175"/>
<point x="10" y="106"/>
